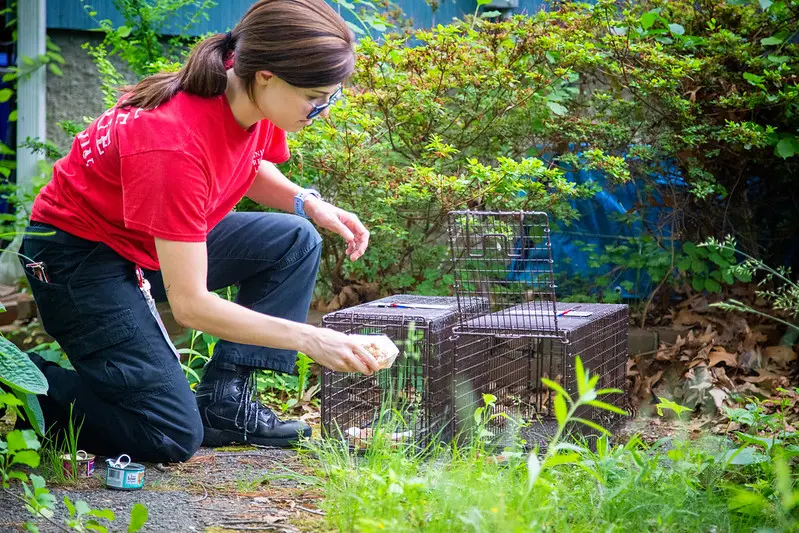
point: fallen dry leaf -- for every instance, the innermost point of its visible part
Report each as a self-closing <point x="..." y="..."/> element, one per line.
<point x="751" y="387"/>
<point x="688" y="318"/>
<point x="719" y="355"/>
<point x="718" y="397"/>
<point x="722" y="378"/>
<point x="781" y="355"/>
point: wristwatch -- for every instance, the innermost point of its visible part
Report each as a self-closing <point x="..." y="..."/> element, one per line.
<point x="299" y="201"/>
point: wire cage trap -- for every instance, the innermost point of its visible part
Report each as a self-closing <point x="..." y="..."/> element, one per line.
<point x="511" y="368"/>
<point x="417" y="390"/>
<point x="505" y="259"/>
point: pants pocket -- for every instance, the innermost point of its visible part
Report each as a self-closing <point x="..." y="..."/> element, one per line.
<point x="116" y="360"/>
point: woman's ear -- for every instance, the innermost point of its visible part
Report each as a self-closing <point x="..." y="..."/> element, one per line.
<point x="263" y="77"/>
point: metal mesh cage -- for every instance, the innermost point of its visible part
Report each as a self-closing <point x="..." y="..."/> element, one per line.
<point x="500" y="335"/>
<point x="511" y="368"/>
<point x="418" y="387"/>
<point x="506" y="259"/>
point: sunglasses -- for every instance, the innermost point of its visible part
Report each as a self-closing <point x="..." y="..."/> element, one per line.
<point x="332" y="100"/>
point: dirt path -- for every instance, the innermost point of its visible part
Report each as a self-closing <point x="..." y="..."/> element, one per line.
<point x="225" y="490"/>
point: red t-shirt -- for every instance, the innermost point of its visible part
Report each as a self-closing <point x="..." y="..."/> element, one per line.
<point x="173" y="172"/>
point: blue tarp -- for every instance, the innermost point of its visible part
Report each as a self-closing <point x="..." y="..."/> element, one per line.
<point x="601" y="223"/>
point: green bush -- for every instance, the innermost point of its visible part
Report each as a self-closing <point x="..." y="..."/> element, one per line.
<point x="456" y="116"/>
<point x="450" y="123"/>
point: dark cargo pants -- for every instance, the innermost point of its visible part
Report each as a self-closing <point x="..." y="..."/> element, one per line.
<point x="129" y="388"/>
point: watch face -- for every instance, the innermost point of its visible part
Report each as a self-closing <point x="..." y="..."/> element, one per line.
<point x="298" y="205"/>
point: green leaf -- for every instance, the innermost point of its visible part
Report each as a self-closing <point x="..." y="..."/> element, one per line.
<point x="712" y="286"/>
<point x="600" y="392"/>
<point x="94" y="525"/>
<point x="123" y="31"/>
<point x="24" y="439"/>
<point x="591" y="424"/>
<point x="5" y="95"/>
<point x="481" y="3"/>
<point x="490" y="14"/>
<point x="579" y="374"/>
<point x="718" y="259"/>
<point x="753" y="79"/>
<point x="82" y="507"/>
<point x="554" y="386"/>
<point x="787" y="147"/>
<point x="648" y="19"/>
<point x="676" y="29"/>
<point x="778" y="59"/>
<point x="561" y="459"/>
<point x="12" y="117"/>
<point x="38" y="481"/>
<point x="33" y="411"/>
<point x="55" y="69"/>
<point x="727" y="277"/>
<point x="69" y="506"/>
<point x="571" y="447"/>
<point x="742" y="456"/>
<point x="7" y="398"/>
<point x="26" y="457"/>
<point x="557" y="108"/>
<point x="16" y="474"/>
<point x="748" y="503"/>
<point x="355" y="28"/>
<point x="775" y="39"/>
<point x="138" y="517"/>
<point x="764" y="4"/>
<point x="108" y="514"/>
<point x="18" y="371"/>
<point x="560" y="410"/>
<point x="607" y="407"/>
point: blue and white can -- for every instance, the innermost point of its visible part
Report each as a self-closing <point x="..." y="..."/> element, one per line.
<point x="121" y="474"/>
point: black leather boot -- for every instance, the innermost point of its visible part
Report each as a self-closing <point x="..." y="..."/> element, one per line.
<point x="231" y="413"/>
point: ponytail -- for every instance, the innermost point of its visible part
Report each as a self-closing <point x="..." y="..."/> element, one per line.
<point x="204" y="74"/>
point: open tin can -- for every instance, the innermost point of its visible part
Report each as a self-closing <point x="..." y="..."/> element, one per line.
<point x="84" y="463"/>
<point x="121" y="474"/>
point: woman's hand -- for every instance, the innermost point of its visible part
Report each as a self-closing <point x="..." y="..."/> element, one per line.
<point x="344" y="223"/>
<point x="338" y="351"/>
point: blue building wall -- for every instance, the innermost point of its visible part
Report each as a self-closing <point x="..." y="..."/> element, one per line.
<point x="73" y="15"/>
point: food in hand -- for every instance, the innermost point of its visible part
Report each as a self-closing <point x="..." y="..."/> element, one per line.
<point x="381" y="347"/>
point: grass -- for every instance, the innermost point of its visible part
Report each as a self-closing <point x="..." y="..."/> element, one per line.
<point x="711" y="484"/>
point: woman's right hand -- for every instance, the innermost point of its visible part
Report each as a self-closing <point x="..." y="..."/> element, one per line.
<point x="338" y="351"/>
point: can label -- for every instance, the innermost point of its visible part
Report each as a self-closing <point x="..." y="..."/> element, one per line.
<point x="134" y="478"/>
<point x="83" y="461"/>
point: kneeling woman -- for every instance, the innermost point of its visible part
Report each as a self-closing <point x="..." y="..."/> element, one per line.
<point x="142" y="205"/>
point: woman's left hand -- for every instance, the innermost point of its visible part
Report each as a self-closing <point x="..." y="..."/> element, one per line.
<point x="344" y="223"/>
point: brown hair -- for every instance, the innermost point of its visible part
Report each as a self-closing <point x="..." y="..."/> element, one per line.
<point x="303" y="42"/>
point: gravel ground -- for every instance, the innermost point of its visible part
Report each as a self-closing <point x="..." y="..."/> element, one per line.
<point x="238" y="489"/>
